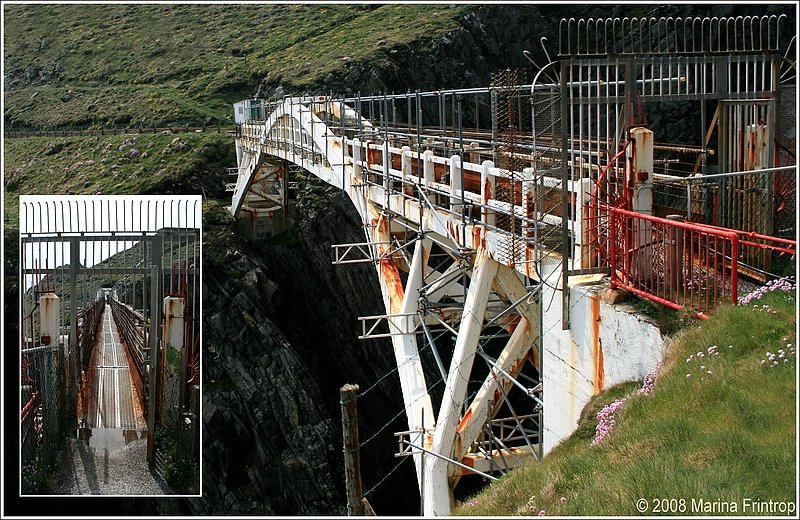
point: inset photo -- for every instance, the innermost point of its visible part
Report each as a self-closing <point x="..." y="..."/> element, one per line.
<point x="110" y="343"/>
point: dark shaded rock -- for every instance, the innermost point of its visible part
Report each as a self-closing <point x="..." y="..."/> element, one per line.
<point x="280" y="338"/>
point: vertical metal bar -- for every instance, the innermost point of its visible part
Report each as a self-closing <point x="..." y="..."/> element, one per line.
<point x="155" y="321"/>
<point x="566" y="117"/>
<point x="74" y="346"/>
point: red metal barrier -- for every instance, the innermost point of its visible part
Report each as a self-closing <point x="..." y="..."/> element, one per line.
<point x="753" y="239"/>
<point x="30" y="405"/>
<point x="677" y="264"/>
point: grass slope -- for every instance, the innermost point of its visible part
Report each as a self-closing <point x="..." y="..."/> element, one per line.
<point x="722" y="437"/>
<point x="106" y="64"/>
<point x="114" y="164"/>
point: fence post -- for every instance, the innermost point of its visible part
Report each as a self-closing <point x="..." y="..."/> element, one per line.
<point x="172" y="355"/>
<point x="641" y="175"/>
<point x="487" y="192"/>
<point x="612" y="239"/>
<point x="74" y="372"/>
<point x="352" y="463"/>
<point x="456" y="183"/>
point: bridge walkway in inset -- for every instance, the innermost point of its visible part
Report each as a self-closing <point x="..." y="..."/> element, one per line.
<point x="111" y="398"/>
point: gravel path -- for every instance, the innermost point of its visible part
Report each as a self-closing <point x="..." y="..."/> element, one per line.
<point x="115" y="470"/>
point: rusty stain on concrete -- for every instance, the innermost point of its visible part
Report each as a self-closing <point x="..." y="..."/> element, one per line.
<point x="597" y="346"/>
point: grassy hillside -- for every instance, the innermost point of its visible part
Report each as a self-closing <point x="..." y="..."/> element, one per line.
<point x="716" y="427"/>
<point x="106" y="64"/>
<point x="112" y="164"/>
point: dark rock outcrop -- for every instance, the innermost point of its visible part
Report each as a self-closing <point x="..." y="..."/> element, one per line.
<point x="280" y="338"/>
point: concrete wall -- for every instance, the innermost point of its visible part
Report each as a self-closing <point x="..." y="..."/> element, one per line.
<point x="605" y="345"/>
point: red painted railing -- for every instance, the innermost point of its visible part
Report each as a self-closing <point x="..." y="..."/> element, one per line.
<point x="677" y="264"/>
<point x="30" y="405"/>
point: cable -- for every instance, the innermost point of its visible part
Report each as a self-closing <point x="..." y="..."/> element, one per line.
<point x="373" y="488"/>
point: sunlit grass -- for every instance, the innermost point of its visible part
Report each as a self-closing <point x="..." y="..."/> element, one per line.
<point x="723" y="437"/>
<point x="96" y="65"/>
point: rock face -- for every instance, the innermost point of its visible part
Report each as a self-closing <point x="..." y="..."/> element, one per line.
<point x="280" y="340"/>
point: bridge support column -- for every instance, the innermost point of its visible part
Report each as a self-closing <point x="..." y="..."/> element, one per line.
<point x="400" y="301"/>
<point x="437" y="492"/>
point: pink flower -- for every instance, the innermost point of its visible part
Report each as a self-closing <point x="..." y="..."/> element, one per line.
<point x="541" y="513"/>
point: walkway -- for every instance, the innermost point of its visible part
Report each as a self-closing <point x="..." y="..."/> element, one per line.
<point x="108" y="457"/>
<point x="110" y="399"/>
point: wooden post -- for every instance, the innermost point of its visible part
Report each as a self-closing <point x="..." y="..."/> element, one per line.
<point x="352" y="464"/>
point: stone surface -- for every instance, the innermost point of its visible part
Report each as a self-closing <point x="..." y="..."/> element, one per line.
<point x="614" y="296"/>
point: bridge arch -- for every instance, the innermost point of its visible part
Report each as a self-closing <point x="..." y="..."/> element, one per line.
<point x="442" y="275"/>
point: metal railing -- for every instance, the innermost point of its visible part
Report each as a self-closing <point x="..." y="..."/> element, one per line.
<point x="757" y="203"/>
<point x="41" y="405"/>
<point x="88" y="322"/>
<point x="677" y="264"/>
<point x="132" y="327"/>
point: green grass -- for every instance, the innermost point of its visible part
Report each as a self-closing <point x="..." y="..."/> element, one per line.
<point x="95" y="65"/>
<point x="162" y="163"/>
<point x="728" y="436"/>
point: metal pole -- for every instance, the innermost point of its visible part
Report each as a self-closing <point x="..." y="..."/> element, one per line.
<point x="422" y="465"/>
<point x="352" y="463"/>
<point x="566" y="116"/>
<point x="155" y="320"/>
<point x="74" y="372"/>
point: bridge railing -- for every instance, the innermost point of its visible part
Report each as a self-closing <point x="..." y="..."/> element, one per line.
<point x="507" y="203"/>
<point x="756" y="203"/>
<point x="88" y="322"/>
<point x="131" y="326"/>
<point x="677" y="264"/>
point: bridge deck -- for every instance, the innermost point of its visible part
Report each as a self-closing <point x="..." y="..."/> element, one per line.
<point x="111" y="398"/>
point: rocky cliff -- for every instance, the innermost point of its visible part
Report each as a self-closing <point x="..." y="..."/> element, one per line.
<point x="280" y="339"/>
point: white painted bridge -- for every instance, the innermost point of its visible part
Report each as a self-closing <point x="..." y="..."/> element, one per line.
<point x="470" y="230"/>
<point x="440" y="270"/>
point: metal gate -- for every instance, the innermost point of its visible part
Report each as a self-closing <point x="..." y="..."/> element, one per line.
<point x="709" y="84"/>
